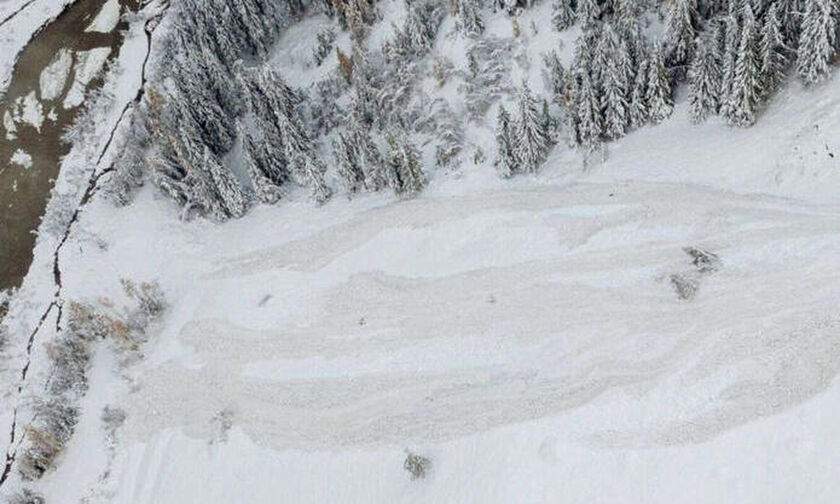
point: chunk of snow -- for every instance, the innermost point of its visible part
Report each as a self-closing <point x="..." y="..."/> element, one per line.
<point x="54" y="76"/>
<point x="88" y="64"/>
<point x="107" y="19"/>
<point x="21" y="158"/>
<point x="9" y="126"/>
<point x="30" y="111"/>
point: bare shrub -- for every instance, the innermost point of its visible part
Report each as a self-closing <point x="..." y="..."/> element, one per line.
<point x="417" y="465"/>
<point x="26" y="496"/>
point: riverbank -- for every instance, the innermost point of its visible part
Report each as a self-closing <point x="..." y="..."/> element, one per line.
<point x="35" y="312"/>
<point x="53" y="74"/>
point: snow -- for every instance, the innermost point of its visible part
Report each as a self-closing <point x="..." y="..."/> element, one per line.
<point x="88" y="65"/>
<point x="9" y="126"/>
<point x="54" y="76"/>
<point x="523" y="334"/>
<point x="21" y="158"/>
<point x="107" y="19"/>
<point x="30" y="111"/>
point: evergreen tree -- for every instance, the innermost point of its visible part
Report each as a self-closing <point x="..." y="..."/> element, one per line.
<point x="556" y="76"/>
<point x="532" y="140"/>
<point x="589" y="121"/>
<point x="658" y="95"/>
<point x="563" y="15"/>
<point x="704" y="80"/>
<point x="730" y="56"/>
<point x="231" y="196"/>
<point x="773" y="58"/>
<point x="638" y="110"/>
<point x="505" y="163"/>
<point x="405" y="175"/>
<point x="681" y="31"/>
<point x="367" y="156"/>
<point x="469" y="18"/>
<point x="265" y="165"/>
<point x="351" y="174"/>
<point x="746" y="88"/>
<point x="816" y="43"/>
<point x="614" y="105"/>
<point x="570" y="109"/>
<point x="588" y="11"/>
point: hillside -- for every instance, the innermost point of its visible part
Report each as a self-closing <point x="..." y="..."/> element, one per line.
<point x="215" y="316"/>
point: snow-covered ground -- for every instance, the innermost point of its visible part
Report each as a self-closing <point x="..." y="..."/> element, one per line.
<point x="524" y="335"/>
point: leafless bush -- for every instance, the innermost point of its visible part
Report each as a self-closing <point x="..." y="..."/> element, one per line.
<point x="26" y="496"/>
<point x="417" y="465"/>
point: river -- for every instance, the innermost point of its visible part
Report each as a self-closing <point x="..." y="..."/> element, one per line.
<point x="45" y="95"/>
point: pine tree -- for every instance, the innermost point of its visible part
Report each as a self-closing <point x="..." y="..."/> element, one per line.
<point x="589" y="121"/>
<point x="773" y="58"/>
<point x="704" y="80"/>
<point x="233" y="202"/>
<point x="505" y="163"/>
<point x="326" y="40"/>
<point x="556" y="76"/>
<point x="265" y="165"/>
<point x="532" y="141"/>
<point x="638" y="109"/>
<point x="681" y="31"/>
<point x="367" y="156"/>
<point x="746" y="88"/>
<point x="658" y="94"/>
<point x="588" y="11"/>
<point x="570" y="109"/>
<point x="469" y="18"/>
<point x="405" y="175"/>
<point x="730" y="56"/>
<point x="816" y="43"/>
<point x="615" y="89"/>
<point x="348" y="168"/>
<point x="563" y="15"/>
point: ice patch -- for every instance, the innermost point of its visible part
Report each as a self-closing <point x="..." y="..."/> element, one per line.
<point x="29" y="110"/>
<point x="107" y="19"/>
<point x="21" y="158"/>
<point x="9" y="126"/>
<point x="88" y="64"/>
<point x="54" y="76"/>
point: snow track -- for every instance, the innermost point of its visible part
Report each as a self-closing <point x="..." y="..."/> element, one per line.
<point x="441" y="317"/>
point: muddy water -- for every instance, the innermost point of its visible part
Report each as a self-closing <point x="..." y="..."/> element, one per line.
<point x="25" y="185"/>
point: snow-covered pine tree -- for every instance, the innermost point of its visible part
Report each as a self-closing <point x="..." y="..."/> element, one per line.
<point x="556" y="76"/>
<point x="704" y="80"/>
<point x="746" y="87"/>
<point x="589" y="120"/>
<point x="367" y="155"/>
<point x="326" y="40"/>
<point x="658" y="94"/>
<point x="638" y="109"/>
<point x="773" y="50"/>
<point x="505" y="162"/>
<point x="570" y="109"/>
<point x="532" y="141"/>
<point x="225" y="184"/>
<point x="404" y="172"/>
<point x="731" y="44"/>
<point x="588" y="11"/>
<point x="469" y="18"/>
<point x="563" y="14"/>
<point x="351" y="174"/>
<point x="680" y="33"/>
<point x="614" y="90"/>
<point x="265" y="165"/>
<point x="816" y="43"/>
